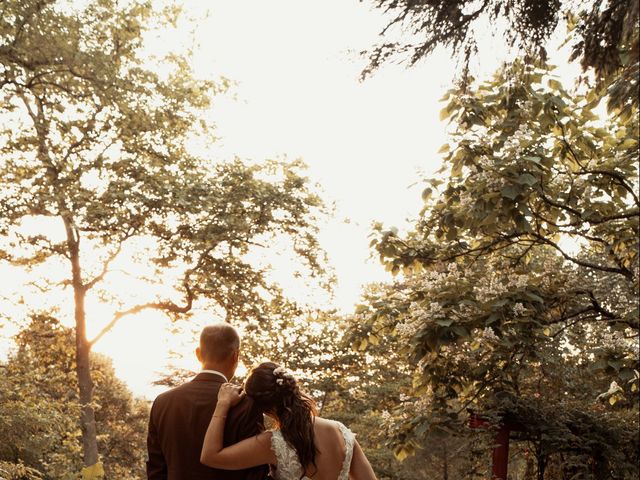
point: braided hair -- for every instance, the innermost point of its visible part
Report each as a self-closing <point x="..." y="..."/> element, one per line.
<point x="276" y="390"/>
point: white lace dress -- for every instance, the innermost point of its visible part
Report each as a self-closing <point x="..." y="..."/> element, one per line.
<point x="289" y="467"/>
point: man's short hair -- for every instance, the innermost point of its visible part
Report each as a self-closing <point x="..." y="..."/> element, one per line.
<point x="218" y="342"/>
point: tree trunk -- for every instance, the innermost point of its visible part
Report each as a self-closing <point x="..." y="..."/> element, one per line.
<point x="542" y="466"/>
<point x="83" y="347"/>
<point x="87" y="416"/>
<point x="323" y="402"/>
<point x="445" y="467"/>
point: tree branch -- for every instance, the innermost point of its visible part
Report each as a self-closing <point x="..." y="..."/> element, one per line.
<point x="167" y="306"/>
<point x="105" y="266"/>
<point x="620" y="180"/>
<point x="622" y="271"/>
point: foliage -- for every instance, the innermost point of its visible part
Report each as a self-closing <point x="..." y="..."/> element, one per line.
<point x="39" y="408"/>
<point x="604" y="33"/>
<point x="495" y="312"/>
<point x="18" y="471"/>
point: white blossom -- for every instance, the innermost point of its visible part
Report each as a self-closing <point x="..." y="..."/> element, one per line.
<point x="519" y="309"/>
<point x="489" y="334"/>
<point x="490" y="289"/>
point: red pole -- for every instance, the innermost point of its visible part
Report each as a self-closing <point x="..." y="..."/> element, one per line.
<point x="501" y="454"/>
<point x="501" y="442"/>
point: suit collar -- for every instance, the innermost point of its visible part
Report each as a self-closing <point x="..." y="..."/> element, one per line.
<point x="211" y="375"/>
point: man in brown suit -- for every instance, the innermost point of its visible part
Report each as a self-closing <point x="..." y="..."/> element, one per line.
<point x="180" y="417"/>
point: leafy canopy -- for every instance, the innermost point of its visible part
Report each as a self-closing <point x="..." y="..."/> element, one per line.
<point x="519" y="281"/>
<point x="95" y="136"/>
<point x="604" y="34"/>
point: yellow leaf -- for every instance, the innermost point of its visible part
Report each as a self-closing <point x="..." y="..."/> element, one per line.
<point x="94" y="472"/>
<point x="401" y="454"/>
<point x="363" y="344"/>
<point x="629" y="143"/>
<point x="547" y="331"/>
<point x="556" y="85"/>
<point x="444" y="148"/>
<point x="634" y="387"/>
<point x="613" y="400"/>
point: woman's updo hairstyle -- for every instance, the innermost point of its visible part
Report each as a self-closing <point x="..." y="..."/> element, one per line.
<point x="275" y="389"/>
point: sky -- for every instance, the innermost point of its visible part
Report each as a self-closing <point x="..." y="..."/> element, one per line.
<point x="297" y="93"/>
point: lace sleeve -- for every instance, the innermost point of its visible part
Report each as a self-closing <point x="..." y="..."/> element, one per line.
<point x="288" y="466"/>
<point x="278" y="446"/>
<point x="349" y="441"/>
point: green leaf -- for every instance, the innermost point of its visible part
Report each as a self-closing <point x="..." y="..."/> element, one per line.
<point x="533" y="159"/>
<point x="527" y="179"/>
<point x="445" y="322"/>
<point x="626" y="373"/>
<point x="510" y="191"/>
<point x="599" y="365"/>
<point x="460" y="331"/>
<point x="534" y="297"/>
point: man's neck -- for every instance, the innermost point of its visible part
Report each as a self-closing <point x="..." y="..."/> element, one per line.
<point x="223" y="369"/>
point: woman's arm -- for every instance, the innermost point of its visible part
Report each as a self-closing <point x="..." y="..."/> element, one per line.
<point x="360" y="466"/>
<point x="248" y="453"/>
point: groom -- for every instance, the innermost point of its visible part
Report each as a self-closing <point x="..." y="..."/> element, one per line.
<point x="180" y="417"/>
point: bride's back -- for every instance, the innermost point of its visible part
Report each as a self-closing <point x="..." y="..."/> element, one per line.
<point x="331" y="451"/>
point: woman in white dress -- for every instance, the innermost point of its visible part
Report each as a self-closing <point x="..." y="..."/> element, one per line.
<point x="303" y="446"/>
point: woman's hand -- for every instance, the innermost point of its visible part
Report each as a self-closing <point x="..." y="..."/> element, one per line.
<point x="230" y="394"/>
<point x="248" y="453"/>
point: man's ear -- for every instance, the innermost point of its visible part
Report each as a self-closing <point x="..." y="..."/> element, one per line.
<point x="199" y="354"/>
<point x="236" y="356"/>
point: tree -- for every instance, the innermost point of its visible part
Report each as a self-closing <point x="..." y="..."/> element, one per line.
<point x="39" y="391"/>
<point x="94" y="137"/>
<point x="499" y="315"/>
<point x="605" y="33"/>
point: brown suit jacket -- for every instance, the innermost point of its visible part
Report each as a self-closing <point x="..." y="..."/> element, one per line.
<point x="177" y="425"/>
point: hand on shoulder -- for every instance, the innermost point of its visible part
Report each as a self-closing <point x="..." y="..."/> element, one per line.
<point x="230" y="394"/>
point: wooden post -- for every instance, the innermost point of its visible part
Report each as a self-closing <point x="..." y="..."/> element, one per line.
<point x="501" y="449"/>
<point x="501" y="454"/>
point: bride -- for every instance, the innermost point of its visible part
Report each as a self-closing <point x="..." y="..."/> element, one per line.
<point x="302" y="447"/>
